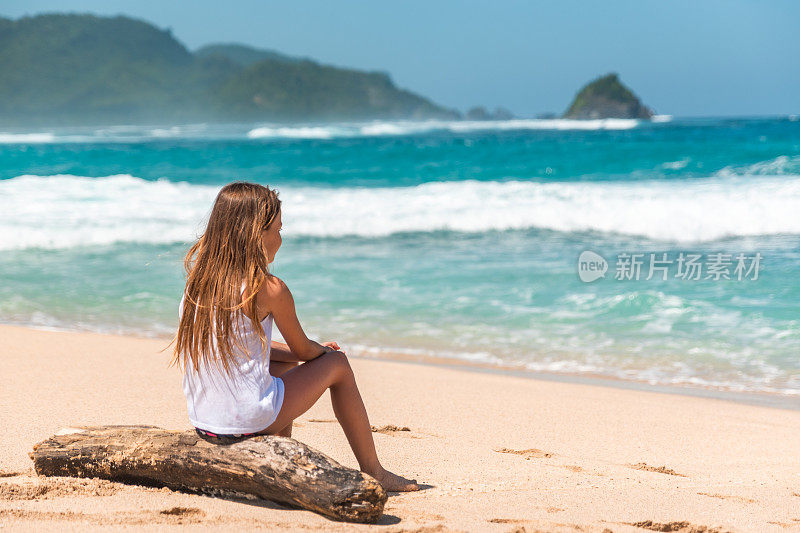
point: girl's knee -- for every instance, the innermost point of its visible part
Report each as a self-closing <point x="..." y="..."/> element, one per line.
<point x="339" y="362"/>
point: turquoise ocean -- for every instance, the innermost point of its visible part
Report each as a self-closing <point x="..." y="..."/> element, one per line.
<point x="456" y="239"/>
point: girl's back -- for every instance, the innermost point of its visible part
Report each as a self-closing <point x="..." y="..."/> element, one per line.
<point x="245" y="401"/>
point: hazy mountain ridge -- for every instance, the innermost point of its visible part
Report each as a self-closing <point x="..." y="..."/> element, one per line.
<point x="81" y="69"/>
<point x="242" y="54"/>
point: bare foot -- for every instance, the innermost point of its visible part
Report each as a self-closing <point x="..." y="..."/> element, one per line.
<point x="394" y="483"/>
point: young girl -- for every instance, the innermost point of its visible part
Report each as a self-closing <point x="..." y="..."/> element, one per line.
<point x="237" y="380"/>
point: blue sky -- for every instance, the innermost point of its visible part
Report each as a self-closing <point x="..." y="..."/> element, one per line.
<point x="686" y="58"/>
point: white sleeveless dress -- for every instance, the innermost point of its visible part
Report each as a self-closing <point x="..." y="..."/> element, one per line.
<point x="248" y="400"/>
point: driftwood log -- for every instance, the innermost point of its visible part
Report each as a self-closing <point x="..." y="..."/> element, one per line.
<point x="274" y="468"/>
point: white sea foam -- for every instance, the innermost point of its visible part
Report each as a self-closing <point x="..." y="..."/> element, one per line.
<point x="134" y="133"/>
<point x="779" y="166"/>
<point x="26" y="138"/>
<point x="676" y="165"/>
<point x="289" y="132"/>
<point x="376" y="129"/>
<point x="546" y="124"/>
<point x="189" y="130"/>
<point x="64" y="211"/>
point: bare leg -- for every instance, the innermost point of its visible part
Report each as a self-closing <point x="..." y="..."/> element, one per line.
<point x="277" y="369"/>
<point x="305" y="384"/>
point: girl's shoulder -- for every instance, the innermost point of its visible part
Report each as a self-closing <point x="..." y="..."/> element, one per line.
<point x="273" y="285"/>
<point x="272" y="293"/>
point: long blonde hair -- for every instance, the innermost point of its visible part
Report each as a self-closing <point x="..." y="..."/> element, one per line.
<point x="227" y="259"/>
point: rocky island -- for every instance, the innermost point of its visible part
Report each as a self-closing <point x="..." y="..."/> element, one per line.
<point x="607" y="97"/>
<point x="481" y="113"/>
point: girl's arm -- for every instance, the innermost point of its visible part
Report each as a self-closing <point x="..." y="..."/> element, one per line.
<point x="281" y="305"/>
<point x="281" y="352"/>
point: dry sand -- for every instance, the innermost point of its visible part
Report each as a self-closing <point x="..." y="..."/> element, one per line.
<point x="493" y="452"/>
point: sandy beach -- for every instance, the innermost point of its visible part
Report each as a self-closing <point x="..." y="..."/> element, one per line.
<point x="558" y="246"/>
<point x="492" y="452"/>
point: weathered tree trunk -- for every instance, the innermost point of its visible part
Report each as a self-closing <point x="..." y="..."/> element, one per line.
<point x="270" y="467"/>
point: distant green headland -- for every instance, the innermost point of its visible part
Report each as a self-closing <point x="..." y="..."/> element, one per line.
<point x="85" y="69"/>
<point x="607" y="97"/>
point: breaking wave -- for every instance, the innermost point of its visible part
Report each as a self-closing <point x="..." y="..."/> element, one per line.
<point x="62" y="211"/>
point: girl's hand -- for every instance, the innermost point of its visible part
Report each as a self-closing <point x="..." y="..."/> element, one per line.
<point x="333" y="345"/>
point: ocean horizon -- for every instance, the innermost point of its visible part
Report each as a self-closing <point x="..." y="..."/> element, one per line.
<point x="457" y="239"/>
